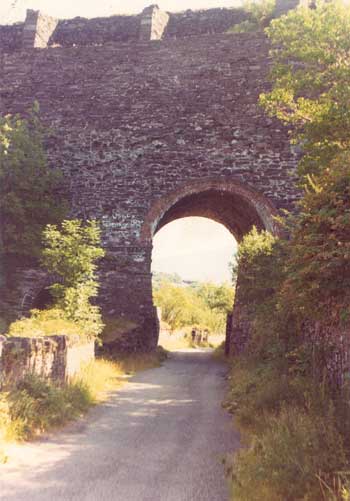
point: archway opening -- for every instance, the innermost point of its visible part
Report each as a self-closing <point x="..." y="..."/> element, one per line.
<point x="192" y="281"/>
<point x="228" y="202"/>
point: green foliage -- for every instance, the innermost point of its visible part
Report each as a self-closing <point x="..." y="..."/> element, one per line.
<point x="283" y="398"/>
<point x="71" y="254"/>
<point x="52" y="322"/>
<point x="318" y="284"/>
<point x="288" y="391"/>
<point x="286" y="461"/>
<point x="204" y="305"/>
<point x="256" y="259"/>
<point x="311" y="74"/>
<point x="260" y="14"/>
<point x="217" y="297"/>
<point x="180" y="305"/>
<point x="34" y="405"/>
<point x="31" y="194"/>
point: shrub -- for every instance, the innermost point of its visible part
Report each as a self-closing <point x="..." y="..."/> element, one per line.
<point x="51" y="322"/>
<point x="286" y="462"/>
<point x="70" y="253"/>
<point x="35" y="405"/>
<point x="260" y="14"/>
<point x="31" y="193"/>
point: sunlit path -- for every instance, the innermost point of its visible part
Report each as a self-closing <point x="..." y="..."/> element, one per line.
<point x="160" y="438"/>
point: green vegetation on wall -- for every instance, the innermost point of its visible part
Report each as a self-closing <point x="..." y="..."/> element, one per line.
<point x="260" y="14"/>
<point x="310" y="78"/>
<point x="31" y="193"/>
<point x="288" y="391"/>
<point x="70" y="254"/>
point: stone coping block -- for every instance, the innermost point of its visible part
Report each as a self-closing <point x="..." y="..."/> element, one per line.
<point x="52" y="357"/>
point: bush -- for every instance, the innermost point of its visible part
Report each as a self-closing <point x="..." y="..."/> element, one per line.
<point x="287" y="461"/>
<point x="70" y="253"/>
<point x="260" y="14"/>
<point x="35" y="405"/>
<point x="53" y="322"/>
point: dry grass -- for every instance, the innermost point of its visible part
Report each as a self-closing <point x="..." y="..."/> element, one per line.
<point x="34" y="406"/>
<point x="173" y="342"/>
<point x="180" y="341"/>
<point x="142" y="361"/>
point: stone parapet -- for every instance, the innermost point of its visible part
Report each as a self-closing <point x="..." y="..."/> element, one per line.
<point x="153" y="23"/>
<point x="53" y="357"/>
<point x="42" y="31"/>
<point x="37" y="30"/>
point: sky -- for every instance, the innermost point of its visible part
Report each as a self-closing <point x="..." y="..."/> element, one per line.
<point x="196" y="248"/>
<point x="14" y="10"/>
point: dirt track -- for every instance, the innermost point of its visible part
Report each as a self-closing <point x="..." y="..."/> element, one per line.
<point x="160" y="438"/>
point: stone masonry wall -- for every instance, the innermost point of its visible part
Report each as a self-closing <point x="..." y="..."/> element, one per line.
<point x="53" y="357"/>
<point x="37" y="30"/>
<point x="138" y="126"/>
<point x="40" y="30"/>
<point x="11" y="37"/>
<point x="132" y="124"/>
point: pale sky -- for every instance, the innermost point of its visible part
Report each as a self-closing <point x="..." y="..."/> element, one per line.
<point x="196" y="248"/>
<point x="14" y="10"/>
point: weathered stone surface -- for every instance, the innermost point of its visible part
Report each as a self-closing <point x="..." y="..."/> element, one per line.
<point x="53" y="357"/>
<point x="37" y="30"/>
<point x="11" y="37"/>
<point x="150" y="132"/>
<point x="153" y="23"/>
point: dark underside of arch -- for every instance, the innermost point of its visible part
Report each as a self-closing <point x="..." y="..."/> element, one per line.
<point x="233" y="211"/>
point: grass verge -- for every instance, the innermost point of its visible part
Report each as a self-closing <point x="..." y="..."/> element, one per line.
<point x="34" y="405"/>
<point x="296" y="437"/>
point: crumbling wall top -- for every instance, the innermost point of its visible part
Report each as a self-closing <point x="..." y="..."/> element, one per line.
<point x="41" y="31"/>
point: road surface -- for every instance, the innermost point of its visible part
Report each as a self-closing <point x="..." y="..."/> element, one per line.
<point x="161" y="437"/>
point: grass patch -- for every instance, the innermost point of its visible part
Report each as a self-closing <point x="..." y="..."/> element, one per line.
<point x="173" y="342"/>
<point x="295" y="436"/>
<point x="131" y="364"/>
<point x="34" y="405"/>
<point x="41" y="323"/>
<point x="176" y="341"/>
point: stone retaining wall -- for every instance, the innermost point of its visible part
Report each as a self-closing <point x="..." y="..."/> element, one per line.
<point x="52" y="357"/>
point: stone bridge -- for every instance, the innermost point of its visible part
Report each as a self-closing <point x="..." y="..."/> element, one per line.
<point x="152" y="118"/>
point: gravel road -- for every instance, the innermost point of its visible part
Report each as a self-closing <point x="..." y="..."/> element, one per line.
<point x="161" y="437"/>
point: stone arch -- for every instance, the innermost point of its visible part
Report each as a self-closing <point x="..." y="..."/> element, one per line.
<point x="235" y="205"/>
<point x="238" y="207"/>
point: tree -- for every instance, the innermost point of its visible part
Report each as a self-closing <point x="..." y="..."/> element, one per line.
<point x="31" y="193"/>
<point x="217" y="297"/>
<point x="71" y="253"/>
<point x="260" y="14"/>
<point x="310" y="76"/>
<point x="318" y="282"/>
<point x="204" y="304"/>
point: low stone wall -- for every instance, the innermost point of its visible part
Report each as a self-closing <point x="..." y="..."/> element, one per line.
<point x="78" y="354"/>
<point x="53" y="357"/>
